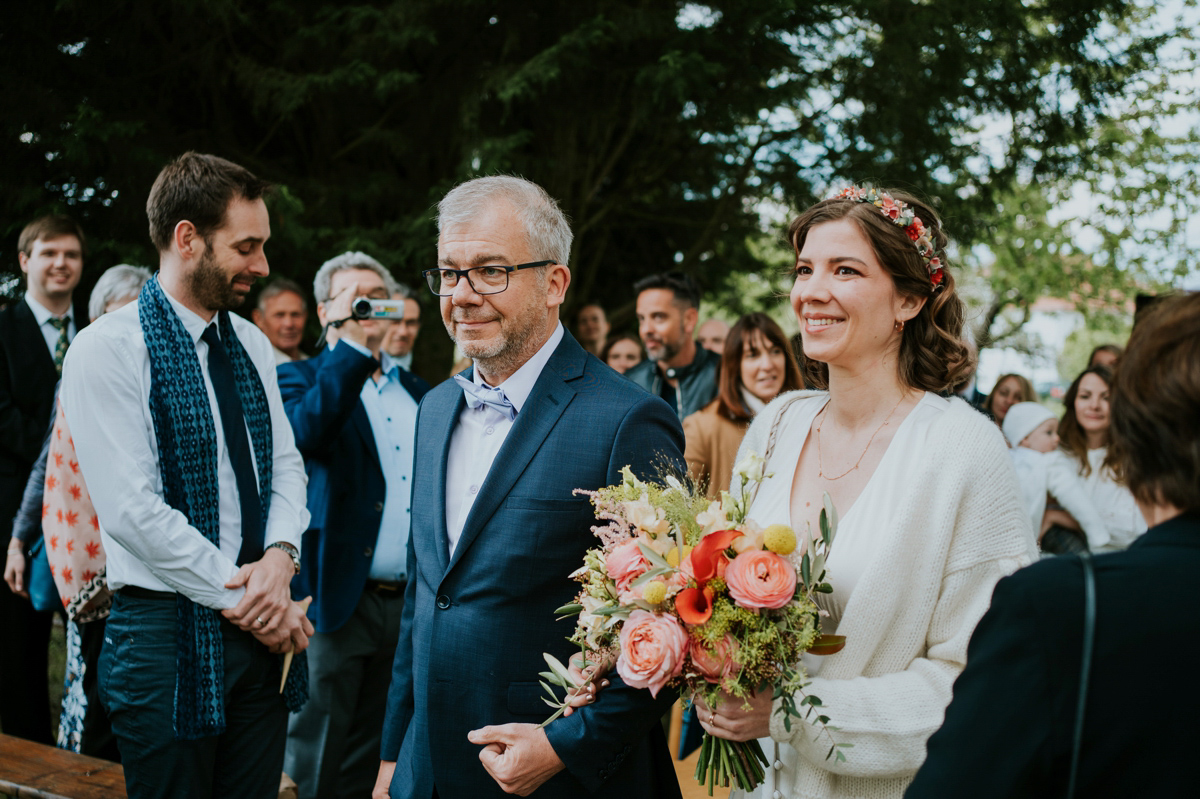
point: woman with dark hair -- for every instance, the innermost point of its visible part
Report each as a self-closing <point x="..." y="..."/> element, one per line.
<point x="622" y="352"/>
<point x="1083" y="446"/>
<point x="756" y="366"/>
<point x="930" y="512"/>
<point x="1012" y="729"/>
<point x="1105" y="355"/>
<point x="1008" y="391"/>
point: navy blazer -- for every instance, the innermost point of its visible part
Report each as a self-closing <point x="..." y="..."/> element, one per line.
<point x="1009" y="729"/>
<point x="346" y="485"/>
<point x="476" y="624"/>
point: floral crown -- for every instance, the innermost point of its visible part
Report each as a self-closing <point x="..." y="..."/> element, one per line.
<point x="906" y="219"/>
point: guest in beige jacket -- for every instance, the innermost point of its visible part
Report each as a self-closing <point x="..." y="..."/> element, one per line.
<point x="756" y="366"/>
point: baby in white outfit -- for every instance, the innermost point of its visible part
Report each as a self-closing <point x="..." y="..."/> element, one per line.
<point x="1032" y="432"/>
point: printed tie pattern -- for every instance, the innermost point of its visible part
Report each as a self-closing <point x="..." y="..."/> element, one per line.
<point x="60" y="349"/>
<point x="486" y="395"/>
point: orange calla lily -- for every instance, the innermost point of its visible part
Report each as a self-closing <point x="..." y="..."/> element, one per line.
<point x="694" y="605"/>
<point x="707" y="555"/>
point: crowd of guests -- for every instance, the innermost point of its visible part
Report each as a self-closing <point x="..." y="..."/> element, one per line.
<point x="942" y="490"/>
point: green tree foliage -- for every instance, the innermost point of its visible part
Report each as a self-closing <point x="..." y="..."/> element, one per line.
<point x="662" y="127"/>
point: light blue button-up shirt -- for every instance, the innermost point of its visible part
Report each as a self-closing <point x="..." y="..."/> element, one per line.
<point x="393" y="415"/>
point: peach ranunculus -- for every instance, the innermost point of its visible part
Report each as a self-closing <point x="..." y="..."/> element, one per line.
<point x="626" y="563"/>
<point x="719" y="662"/>
<point x="761" y="579"/>
<point x="652" y="650"/>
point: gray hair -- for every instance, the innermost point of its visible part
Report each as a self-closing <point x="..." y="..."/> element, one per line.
<point x="346" y="261"/>
<point x="280" y="285"/>
<point x="403" y="290"/>
<point x="117" y="283"/>
<point x="547" y="231"/>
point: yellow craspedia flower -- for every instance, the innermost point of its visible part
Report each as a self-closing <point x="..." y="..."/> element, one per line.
<point x="673" y="556"/>
<point x="780" y="539"/>
<point x="655" y="592"/>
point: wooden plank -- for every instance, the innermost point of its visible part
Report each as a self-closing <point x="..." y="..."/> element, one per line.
<point x="34" y="771"/>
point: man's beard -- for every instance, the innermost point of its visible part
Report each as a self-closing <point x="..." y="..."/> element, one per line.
<point x="666" y="352"/>
<point x="505" y="352"/>
<point x="211" y="287"/>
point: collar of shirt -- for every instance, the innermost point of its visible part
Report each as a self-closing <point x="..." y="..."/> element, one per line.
<point x="520" y="384"/>
<point x="193" y="323"/>
<point x="41" y="313"/>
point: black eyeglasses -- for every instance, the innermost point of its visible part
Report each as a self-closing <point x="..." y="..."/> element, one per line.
<point x="490" y="279"/>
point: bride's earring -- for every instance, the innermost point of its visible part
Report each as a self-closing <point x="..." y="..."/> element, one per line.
<point x="899" y="326"/>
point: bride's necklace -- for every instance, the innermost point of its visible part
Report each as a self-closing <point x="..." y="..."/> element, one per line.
<point x="820" y="466"/>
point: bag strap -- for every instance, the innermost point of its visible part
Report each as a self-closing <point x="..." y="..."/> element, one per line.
<point x="769" y="450"/>
<point x="1085" y="670"/>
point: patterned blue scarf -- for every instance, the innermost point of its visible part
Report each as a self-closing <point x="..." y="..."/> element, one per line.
<point x="187" y="459"/>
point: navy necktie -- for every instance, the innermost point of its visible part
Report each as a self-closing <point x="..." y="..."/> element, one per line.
<point x="486" y="395"/>
<point x="233" y="423"/>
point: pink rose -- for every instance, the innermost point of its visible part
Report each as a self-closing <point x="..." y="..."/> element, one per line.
<point x="652" y="648"/>
<point x="625" y="564"/>
<point x="719" y="662"/>
<point x="761" y="579"/>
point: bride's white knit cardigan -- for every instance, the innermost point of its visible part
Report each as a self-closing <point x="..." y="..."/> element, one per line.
<point x="960" y="529"/>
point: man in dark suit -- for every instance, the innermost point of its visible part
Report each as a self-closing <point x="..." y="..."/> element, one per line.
<point x="497" y="531"/>
<point x="34" y="333"/>
<point x="353" y="410"/>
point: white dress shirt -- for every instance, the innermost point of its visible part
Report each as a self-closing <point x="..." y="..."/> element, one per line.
<point x="478" y="436"/>
<point x="393" y="415"/>
<point x="49" y="332"/>
<point x="105" y="391"/>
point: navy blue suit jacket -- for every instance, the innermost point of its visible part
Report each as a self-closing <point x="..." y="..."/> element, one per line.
<point x="1010" y="726"/>
<point x="346" y="486"/>
<point x="476" y="624"/>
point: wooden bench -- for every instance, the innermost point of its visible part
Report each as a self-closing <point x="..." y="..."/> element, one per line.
<point x="34" y="771"/>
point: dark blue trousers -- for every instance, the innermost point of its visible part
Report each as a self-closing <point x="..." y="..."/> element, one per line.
<point x="137" y="687"/>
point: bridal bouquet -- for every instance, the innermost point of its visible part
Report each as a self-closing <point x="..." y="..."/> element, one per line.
<point x="688" y="593"/>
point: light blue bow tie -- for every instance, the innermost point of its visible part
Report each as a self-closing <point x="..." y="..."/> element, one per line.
<point x="486" y="395"/>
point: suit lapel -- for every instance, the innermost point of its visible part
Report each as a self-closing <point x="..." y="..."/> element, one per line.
<point x="549" y="399"/>
<point x="362" y="423"/>
<point x="440" y="412"/>
<point x="41" y="361"/>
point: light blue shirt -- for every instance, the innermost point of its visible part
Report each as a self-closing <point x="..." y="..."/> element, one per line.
<point x="393" y="415"/>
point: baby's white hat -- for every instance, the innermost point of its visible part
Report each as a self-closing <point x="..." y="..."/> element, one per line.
<point x="1022" y="419"/>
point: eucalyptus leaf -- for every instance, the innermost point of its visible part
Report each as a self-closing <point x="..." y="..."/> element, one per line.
<point x="558" y="668"/>
<point x="569" y="609"/>
<point x="652" y="556"/>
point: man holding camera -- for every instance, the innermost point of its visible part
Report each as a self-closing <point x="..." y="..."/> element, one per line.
<point x="353" y="410"/>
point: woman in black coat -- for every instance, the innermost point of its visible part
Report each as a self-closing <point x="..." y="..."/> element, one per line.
<point x="1009" y="730"/>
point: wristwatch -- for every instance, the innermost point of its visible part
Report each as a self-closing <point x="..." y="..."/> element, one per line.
<point x="291" y="551"/>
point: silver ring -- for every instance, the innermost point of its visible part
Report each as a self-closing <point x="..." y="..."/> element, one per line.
<point x="260" y="621"/>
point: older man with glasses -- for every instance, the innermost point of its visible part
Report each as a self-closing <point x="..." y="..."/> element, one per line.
<point x="497" y="528"/>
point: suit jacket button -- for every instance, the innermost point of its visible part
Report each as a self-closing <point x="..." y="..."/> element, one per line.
<point x="443" y="601"/>
<point x="368" y="552"/>
<point x="379" y="507"/>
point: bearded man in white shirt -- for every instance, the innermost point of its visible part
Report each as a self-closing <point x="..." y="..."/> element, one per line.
<point x="200" y="496"/>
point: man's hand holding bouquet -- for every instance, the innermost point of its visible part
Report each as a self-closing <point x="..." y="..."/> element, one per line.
<point x="690" y="594"/>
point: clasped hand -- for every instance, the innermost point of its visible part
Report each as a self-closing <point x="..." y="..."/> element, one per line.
<point x="267" y="610"/>
<point x="518" y="757"/>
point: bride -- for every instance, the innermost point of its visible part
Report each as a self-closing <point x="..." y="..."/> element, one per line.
<point x="929" y="507"/>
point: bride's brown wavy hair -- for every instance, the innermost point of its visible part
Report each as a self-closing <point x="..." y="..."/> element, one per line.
<point x="933" y="356"/>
